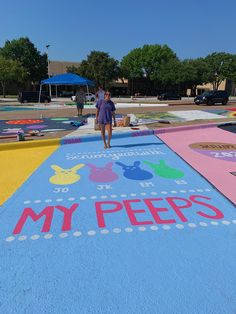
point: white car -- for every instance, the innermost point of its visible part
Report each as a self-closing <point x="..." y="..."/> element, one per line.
<point x="89" y="97"/>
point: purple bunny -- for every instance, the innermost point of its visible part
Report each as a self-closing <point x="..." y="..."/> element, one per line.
<point x="102" y="174"/>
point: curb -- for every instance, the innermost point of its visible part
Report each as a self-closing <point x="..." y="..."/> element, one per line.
<point x="92" y="138"/>
<point x="30" y="144"/>
<point x="183" y="128"/>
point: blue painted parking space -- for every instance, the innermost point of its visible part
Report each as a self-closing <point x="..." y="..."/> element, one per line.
<point x="133" y="229"/>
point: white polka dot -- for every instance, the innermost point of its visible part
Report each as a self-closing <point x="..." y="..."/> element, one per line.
<point x="153" y="193"/>
<point x="199" y="190"/>
<point x="165" y="227"/>
<point x="48" y="201"/>
<point x="191" y="190"/>
<point x="71" y="199"/>
<point x="225" y="222"/>
<point x="203" y="224"/>
<point x="35" y="237"/>
<point x="103" y="196"/>
<point x="173" y="192"/>
<point x="27" y="202"/>
<point x="37" y="201"/>
<point x="234" y="221"/>
<point x="93" y="197"/>
<point x="22" y="238"/>
<point x="113" y="195"/>
<point x="48" y="236"/>
<point x="133" y="194"/>
<point x="77" y="234"/>
<point x="82" y="198"/>
<point x="207" y="190"/>
<point x="154" y="228"/>
<point x="91" y="233"/>
<point x="10" y="239"/>
<point x="63" y="235"/>
<point x="116" y="230"/>
<point x="214" y="223"/>
<point x="163" y="192"/>
<point x="143" y="193"/>
<point x="179" y="226"/>
<point x="192" y="225"/>
<point x="59" y="199"/>
<point x="104" y="231"/>
<point x="142" y="228"/>
<point x="183" y="191"/>
<point x="128" y="229"/>
<point x="123" y="195"/>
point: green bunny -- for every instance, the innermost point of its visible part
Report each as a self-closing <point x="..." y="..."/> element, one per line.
<point x="165" y="171"/>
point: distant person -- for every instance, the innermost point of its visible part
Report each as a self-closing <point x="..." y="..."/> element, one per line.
<point x="104" y="115"/>
<point x="100" y="93"/>
<point x="80" y="99"/>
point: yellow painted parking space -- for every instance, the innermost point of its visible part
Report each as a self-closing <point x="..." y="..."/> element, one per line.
<point x="19" y="160"/>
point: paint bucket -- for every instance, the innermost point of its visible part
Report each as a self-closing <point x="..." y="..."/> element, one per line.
<point x="20" y="136"/>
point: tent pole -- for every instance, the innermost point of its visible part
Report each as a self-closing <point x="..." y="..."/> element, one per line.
<point x="50" y="91"/>
<point x="85" y="99"/>
<point x="56" y="91"/>
<point x="40" y="90"/>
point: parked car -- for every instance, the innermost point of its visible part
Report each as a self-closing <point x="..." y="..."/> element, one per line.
<point x="28" y="96"/>
<point x="169" y="96"/>
<point x="212" y="97"/>
<point x="89" y="97"/>
<point x="65" y="93"/>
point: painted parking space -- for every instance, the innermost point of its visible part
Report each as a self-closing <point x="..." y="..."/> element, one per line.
<point x="133" y="229"/>
<point x="211" y="150"/>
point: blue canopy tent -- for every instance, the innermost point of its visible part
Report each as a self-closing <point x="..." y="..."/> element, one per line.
<point x="66" y="79"/>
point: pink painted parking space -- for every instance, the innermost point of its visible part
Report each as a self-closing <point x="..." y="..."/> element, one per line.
<point x="208" y="149"/>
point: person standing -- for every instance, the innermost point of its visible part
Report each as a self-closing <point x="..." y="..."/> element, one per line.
<point x="80" y="99"/>
<point x="100" y="93"/>
<point x="104" y="115"/>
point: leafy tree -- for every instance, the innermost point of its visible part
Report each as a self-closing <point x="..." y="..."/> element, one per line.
<point x="131" y="64"/>
<point x="147" y="61"/>
<point x="100" y="67"/>
<point x="72" y="69"/>
<point x="156" y="63"/>
<point x="10" y="71"/>
<point x="220" y="66"/>
<point x="191" y="73"/>
<point x="24" y="51"/>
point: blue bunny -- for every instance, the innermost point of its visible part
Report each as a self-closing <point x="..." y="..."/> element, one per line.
<point x="135" y="172"/>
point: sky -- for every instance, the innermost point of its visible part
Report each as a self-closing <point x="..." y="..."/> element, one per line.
<point x="74" y="28"/>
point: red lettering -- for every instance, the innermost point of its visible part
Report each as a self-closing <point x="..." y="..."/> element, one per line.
<point x="218" y="213"/>
<point x="171" y="201"/>
<point x="100" y="212"/>
<point x="28" y="212"/>
<point x="67" y="216"/>
<point x="154" y="211"/>
<point x="48" y="213"/>
<point x="131" y="213"/>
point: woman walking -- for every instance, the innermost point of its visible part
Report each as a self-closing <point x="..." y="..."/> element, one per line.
<point x="104" y="115"/>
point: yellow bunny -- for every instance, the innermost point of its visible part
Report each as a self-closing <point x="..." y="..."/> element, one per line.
<point x="65" y="176"/>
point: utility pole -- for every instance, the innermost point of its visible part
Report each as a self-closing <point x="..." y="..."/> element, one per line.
<point x="50" y="91"/>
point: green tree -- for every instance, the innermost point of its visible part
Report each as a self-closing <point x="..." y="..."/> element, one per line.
<point x="24" y="51"/>
<point x="148" y="60"/>
<point x="191" y="73"/>
<point x="131" y="64"/>
<point x="10" y="71"/>
<point x="155" y="63"/>
<point x="219" y="66"/>
<point x="100" y="67"/>
<point x="72" y="69"/>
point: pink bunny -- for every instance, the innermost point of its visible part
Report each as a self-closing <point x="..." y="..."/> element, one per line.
<point x="102" y="174"/>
